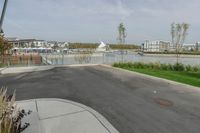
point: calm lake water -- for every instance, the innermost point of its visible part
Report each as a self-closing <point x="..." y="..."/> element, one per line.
<point x="109" y="58"/>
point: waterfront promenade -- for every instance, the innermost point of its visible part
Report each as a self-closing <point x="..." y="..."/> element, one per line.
<point x="131" y="102"/>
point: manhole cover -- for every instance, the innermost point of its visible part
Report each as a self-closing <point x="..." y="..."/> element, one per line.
<point x="163" y="102"/>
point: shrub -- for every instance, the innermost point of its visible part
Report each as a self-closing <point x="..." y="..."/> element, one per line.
<point x="119" y="64"/>
<point x="164" y="67"/>
<point x="10" y="115"/>
<point x="170" y="67"/>
<point x="196" y="69"/>
<point x="129" y="64"/>
<point x="151" y="65"/>
<point x="178" y="67"/>
<point x="158" y="66"/>
<point x="188" y="68"/>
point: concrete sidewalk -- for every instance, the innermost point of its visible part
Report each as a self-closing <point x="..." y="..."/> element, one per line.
<point x="12" y="70"/>
<point x="17" y="70"/>
<point x="63" y="116"/>
<point x="1" y="69"/>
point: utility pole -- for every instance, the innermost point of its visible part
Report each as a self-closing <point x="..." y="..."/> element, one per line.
<point x="3" y="14"/>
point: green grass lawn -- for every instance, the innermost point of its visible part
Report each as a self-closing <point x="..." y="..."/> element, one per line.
<point x="191" y="78"/>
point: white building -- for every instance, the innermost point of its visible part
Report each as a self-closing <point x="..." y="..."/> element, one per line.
<point x="63" y="44"/>
<point x="189" y="47"/>
<point x="197" y="46"/>
<point x="102" y="47"/>
<point x="22" y="43"/>
<point x="156" y="46"/>
<point x="55" y="44"/>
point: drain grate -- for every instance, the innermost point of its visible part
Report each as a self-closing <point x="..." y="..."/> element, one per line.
<point x="163" y="102"/>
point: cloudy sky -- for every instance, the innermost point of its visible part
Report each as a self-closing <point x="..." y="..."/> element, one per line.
<point x="95" y="20"/>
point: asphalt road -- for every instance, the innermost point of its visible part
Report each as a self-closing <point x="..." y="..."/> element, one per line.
<point x="132" y="103"/>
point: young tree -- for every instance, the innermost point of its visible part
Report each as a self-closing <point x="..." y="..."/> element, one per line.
<point x="122" y="37"/>
<point x="178" y="34"/>
<point x="122" y="33"/>
<point x="5" y="46"/>
<point x="173" y="28"/>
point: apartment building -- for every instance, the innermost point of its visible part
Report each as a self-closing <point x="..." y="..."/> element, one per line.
<point x="156" y="46"/>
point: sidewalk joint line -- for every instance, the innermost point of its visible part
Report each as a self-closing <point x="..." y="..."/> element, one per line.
<point x="86" y="109"/>
<point x="36" y="105"/>
<point x="100" y="122"/>
<point x="63" y="115"/>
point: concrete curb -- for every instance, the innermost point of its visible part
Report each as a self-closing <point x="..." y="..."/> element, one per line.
<point x="104" y="122"/>
<point x="152" y="77"/>
<point x="43" y="68"/>
<point x="15" y="70"/>
<point x="1" y="69"/>
<point x="77" y="65"/>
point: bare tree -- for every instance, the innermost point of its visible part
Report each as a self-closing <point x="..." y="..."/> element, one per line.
<point x="185" y="27"/>
<point x="122" y="33"/>
<point x="122" y="37"/>
<point x="173" y="28"/>
<point x="120" y="28"/>
<point x="179" y="33"/>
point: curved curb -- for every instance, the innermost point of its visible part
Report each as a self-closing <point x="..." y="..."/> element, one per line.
<point x="104" y="122"/>
<point x="152" y="77"/>
<point x="1" y="69"/>
<point x="15" y="70"/>
<point x="77" y="65"/>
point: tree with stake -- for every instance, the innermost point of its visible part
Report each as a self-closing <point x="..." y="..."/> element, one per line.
<point x="120" y="28"/>
<point x="178" y="34"/>
<point x="122" y="36"/>
<point x="173" y="34"/>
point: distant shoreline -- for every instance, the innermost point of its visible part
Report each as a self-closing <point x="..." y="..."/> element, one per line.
<point x="171" y="55"/>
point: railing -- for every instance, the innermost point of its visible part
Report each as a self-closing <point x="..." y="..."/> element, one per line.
<point x="90" y="58"/>
<point x="22" y="60"/>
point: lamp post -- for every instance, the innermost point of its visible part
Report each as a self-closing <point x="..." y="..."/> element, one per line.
<point x="3" y="14"/>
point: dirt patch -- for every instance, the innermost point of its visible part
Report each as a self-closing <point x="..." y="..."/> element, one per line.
<point x="163" y="102"/>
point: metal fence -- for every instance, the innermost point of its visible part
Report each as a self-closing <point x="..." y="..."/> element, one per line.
<point x="90" y="58"/>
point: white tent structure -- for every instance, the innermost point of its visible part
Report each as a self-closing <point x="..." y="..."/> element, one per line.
<point x="102" y="47"/>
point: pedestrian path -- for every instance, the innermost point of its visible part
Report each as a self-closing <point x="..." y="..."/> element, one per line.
<point x="62" y="116"/>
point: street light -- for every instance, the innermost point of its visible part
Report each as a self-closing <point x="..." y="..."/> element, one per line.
<point x="3" y="14"/>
